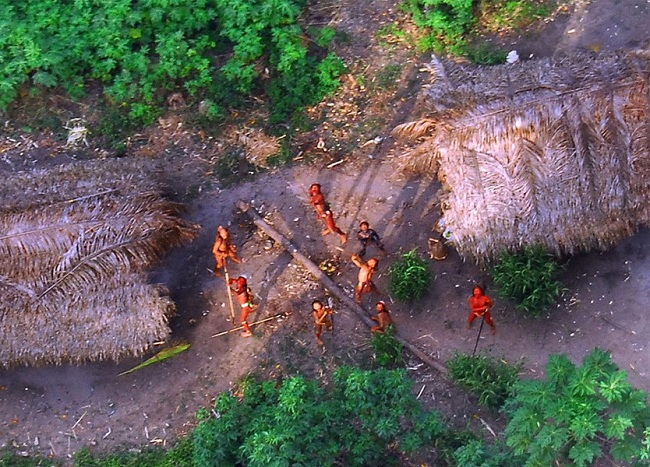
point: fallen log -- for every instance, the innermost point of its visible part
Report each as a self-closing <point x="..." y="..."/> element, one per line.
<point x="331" y="286"/>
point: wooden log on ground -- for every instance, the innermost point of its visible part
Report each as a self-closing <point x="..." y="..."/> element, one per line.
<point x="331" y="286"/>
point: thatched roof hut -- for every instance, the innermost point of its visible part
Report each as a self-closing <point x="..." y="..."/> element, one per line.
<point x="552" y="152"/>
<point x="75" y="244"/>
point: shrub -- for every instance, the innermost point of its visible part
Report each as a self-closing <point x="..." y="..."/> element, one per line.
<point x="387" y="350"/>
<point x="447" y="22"/>
<point x="528" y="278"/>
<point x="488" y="378"/>
<point x="365" y="418"/>
<point x="478" y="453"/>
<point x="578" y="414"/>
<point x="409" y="276"/>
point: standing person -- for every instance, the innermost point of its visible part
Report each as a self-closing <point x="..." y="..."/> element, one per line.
<point x="383" y="318"/>
<point x="480" y="305"/>
<point x="222" y="249"/>
<point x="364" y="278"/>
<point x="367" y="235"/>
<point x="321" y="315"/>
<point x="324" y="213"/>
<point x="240" y="287"/>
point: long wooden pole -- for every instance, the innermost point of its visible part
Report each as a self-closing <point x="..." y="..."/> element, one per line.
<point x="232" y="307"/>
<point x="330" y="285"/>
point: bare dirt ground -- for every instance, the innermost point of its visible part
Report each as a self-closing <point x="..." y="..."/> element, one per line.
<point x="57" y="410"/>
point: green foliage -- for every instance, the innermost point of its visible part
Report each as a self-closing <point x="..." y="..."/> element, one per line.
<point x="10" y="459"/>
<point x="387" y="349"/>
<point x="306" y="83"/>
<point x="485" y="54"/>
<point x="478" y="453"/>
<point x="447" y="23"/>
<point x="512" y="15"/>
<point x="323" y="36"/>
<point x="578" y="414"/>
<point x="409" y="276"/>
<point x="365" y="418"/>
<point x="529" y="278"/>
<point x="139" y="52"/>
<point x="450" y="25"/>
<point x="178" y="456"/>
<point x="489" y="378"/>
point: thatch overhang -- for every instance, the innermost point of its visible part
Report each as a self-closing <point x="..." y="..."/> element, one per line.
<point x="553" y="152"/>
<point x="76" y="242"/>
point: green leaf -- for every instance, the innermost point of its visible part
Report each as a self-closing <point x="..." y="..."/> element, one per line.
<point x="584" y="453"/>
<point x="163" y="355"/>
<point x="614" y="386"/>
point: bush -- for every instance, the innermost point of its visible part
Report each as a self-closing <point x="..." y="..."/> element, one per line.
<point x="488" y="378"/>
<point x="387" y="350"/>
<point x="529" y="278"/>
<point x="365" y="418"/>
<point x="447" y="21"/>
<point x="409" y="276"/>
<point x="578" y="414"/>
<point x="478" y="453"/>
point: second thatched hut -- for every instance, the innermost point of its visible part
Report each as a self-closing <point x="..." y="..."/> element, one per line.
<point x="552" y="152"/>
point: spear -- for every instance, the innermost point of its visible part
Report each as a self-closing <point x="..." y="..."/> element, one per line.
<point x="478" y="336"/>
<point x="251" y="324"/>
<point x="232" y="308"/>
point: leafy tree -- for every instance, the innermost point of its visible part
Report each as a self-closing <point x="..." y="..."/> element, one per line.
<point x="577" y="414"/>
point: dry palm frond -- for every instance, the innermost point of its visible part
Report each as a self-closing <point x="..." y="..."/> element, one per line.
<point x="414" y="129"/>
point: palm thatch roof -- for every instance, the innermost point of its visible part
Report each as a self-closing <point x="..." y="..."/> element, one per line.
<point x="553" y="152"/>
<point x="75" y="244"/>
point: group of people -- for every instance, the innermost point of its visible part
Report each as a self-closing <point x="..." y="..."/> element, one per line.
<point x="367" y="269"/>
<point x="223" y="249"/>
